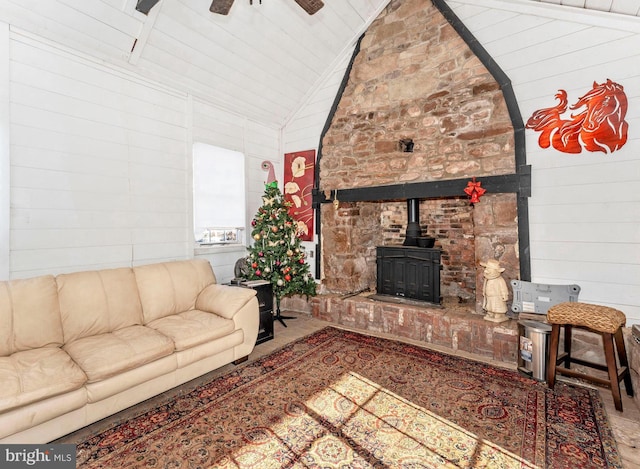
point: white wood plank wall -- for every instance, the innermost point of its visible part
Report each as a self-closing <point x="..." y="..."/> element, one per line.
<point x="100" y="163"/>
<point x="98" y="166"/>
<point x="5" y="152"/>
<point x="585" y="208"/>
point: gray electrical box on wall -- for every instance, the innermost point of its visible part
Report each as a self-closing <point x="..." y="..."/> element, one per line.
<point x="537" y="298"/>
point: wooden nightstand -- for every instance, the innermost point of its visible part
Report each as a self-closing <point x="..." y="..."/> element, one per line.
<point x="264" y="293"/>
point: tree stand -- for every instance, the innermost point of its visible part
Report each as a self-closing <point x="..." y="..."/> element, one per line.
<point x="278" y="316"/>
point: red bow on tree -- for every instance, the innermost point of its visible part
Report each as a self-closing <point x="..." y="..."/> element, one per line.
<point x="474" y="190"/>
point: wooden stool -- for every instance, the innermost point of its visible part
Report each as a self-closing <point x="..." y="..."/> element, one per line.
<point x="607" y="322"/>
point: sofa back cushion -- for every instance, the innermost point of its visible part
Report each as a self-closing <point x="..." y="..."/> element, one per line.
<point x="171" y="287"/>
<point x="29" y="315"/>
<point x="97" y="302"/>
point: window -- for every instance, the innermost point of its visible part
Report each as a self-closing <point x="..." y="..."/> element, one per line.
<point x="218" y="195"/>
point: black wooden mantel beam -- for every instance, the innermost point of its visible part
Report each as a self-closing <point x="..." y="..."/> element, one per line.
<point x="519" y="183"/>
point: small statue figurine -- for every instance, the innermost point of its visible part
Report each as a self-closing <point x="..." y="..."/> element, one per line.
<point x="495" y="292"/>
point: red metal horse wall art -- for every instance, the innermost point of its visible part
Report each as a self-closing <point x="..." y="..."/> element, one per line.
<point x="597" y="125"/>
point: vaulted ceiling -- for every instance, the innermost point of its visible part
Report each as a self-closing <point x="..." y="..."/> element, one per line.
<point x="263" y="60"/>
<point x="624" y="7"/>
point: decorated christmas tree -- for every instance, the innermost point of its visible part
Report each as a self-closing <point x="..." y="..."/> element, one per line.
<point x="276" y="254"/>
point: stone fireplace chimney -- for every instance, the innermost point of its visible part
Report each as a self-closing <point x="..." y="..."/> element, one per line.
<point x="415" y="78"/>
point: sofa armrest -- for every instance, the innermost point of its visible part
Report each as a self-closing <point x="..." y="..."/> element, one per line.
<point x="224" y="300"/>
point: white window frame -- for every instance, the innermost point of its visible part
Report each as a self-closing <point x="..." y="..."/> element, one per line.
<point x="219" y="195"/>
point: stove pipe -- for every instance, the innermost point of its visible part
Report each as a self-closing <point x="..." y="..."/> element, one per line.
<point x="413" y="223"/>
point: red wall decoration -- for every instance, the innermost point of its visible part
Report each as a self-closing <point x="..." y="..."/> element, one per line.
<point x="596" y="125"/>
<point x="474" y="191"/>
<point x="299" y="171"/>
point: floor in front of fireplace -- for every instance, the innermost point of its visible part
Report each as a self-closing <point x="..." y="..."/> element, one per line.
<point x="626" y="425"/>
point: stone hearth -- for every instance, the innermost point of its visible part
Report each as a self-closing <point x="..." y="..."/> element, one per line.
<point x="452" y="326"/>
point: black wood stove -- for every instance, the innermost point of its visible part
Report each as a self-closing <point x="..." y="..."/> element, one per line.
<point x="410" y="271"/>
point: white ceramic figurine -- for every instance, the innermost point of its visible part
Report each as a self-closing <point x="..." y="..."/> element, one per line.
<point x="495" y="292"/>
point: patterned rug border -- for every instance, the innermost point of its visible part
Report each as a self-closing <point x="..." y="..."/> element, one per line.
<point x="127" y="431"/>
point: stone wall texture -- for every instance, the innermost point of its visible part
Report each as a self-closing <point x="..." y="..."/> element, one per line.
<point x="415" y="78"/>
<point x="350" y="235"/>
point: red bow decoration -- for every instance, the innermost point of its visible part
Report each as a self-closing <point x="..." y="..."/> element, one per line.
<point x="474" y="190"/>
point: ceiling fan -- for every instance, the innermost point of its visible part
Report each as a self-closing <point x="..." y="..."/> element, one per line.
<point x="222" y="7"/>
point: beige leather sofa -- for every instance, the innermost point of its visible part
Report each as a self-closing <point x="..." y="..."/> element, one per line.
<point x="78" y="347"/>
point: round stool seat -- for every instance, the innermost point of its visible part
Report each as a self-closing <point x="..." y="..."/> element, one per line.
<point x="595" y="317"/>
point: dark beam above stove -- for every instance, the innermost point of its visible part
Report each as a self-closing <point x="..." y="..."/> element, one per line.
<point x="519" y="183"/>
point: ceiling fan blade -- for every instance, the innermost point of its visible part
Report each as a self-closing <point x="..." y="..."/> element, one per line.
<point x="221" y="7"/>
<point x="310" y="6"/>
<point x="144" y="6"/>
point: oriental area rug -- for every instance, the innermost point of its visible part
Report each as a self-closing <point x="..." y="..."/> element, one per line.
<point x="339" y="399"/>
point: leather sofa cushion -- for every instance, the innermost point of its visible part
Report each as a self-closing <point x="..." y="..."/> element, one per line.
<point x="29" y="315"/>
<point x="224" y="300"/>
<point x="33" y="375"/>
<point x="105" y="355"/>
<point x="192" y="328"/>
<point x="171" y="287"/>
<point x="97" y="302"/>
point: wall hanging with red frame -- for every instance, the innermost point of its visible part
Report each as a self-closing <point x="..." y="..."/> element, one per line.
<point x="299" y="173"/>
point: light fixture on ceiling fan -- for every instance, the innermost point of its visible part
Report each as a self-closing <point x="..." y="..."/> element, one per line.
<point x="222" y="7"/>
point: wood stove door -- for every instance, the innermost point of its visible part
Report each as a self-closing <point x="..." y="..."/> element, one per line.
<point x="428" y="280"/>
<point x="413" y="277"/>
<point x="387" y="274"/>
<point x="409" y="272"/>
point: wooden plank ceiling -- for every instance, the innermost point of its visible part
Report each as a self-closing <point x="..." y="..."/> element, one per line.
<point x="624" y="7"/>
<point x="262" y="60"/>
